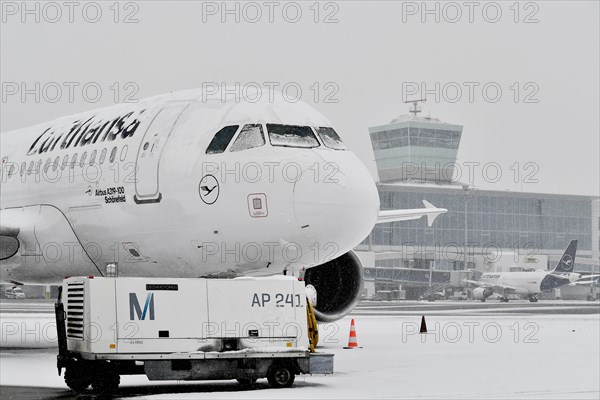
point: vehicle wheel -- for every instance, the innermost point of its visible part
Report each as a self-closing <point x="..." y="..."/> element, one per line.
<point x="590" y="297"/>
<point x="246" y="381"/>
<point x="281" y="376"/>
<point x="105" y="380"/>
<point x="483" y="300"/>
<point x="77" y="379"/>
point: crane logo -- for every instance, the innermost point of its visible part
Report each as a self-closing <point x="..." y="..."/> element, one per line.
<point x="136" y="310"/>
<point x="567" y="262"/>
<point x="208" y="189"/>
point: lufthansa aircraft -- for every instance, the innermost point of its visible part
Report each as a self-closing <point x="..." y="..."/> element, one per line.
<point x="180" y="185"/>
<point x="530" y="283"/>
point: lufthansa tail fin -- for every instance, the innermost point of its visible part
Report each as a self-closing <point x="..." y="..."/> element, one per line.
<point x="567" y="261"/>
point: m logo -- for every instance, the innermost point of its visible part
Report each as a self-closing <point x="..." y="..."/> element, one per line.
<point x="134" y="307"/>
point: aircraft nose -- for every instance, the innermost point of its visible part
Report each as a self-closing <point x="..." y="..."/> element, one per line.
<point x="339" y="205"/>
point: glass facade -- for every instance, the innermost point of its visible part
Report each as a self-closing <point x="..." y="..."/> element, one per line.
<point x="509" y="221"/>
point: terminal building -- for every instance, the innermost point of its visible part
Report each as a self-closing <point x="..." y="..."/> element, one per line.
<point x="483" y="230"/>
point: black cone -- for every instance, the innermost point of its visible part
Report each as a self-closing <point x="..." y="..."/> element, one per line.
<point x="423" y="325"/>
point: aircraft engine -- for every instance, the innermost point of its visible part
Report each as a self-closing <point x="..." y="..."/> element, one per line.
<point x="574" y="277"/>
<point x="481" y="293"/>
<point x="338" y="284"/>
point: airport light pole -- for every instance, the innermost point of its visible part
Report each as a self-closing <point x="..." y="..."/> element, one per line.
<point x="466" y="189"/>
<point x="431" y="273"/>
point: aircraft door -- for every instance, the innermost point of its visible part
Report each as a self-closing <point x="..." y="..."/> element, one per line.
<point x="148" y="157"/>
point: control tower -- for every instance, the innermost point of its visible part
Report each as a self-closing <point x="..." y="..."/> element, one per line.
<point x="415" y="148"/>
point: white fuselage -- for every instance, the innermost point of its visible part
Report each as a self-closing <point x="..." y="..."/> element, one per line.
<point x="150" y="199"/>
<point x="528" y="282"/>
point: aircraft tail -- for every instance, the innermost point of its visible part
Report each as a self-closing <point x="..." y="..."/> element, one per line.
<point x="567" y="261"/>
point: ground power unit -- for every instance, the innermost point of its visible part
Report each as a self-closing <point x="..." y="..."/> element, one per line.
<point x="184" y="329"/>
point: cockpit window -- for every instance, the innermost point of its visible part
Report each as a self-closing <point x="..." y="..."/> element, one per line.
<point x="221" y="140"/>
<point x="292" y="136"/>
<point x="250" y="136"/>
<point x="330" y="138"/>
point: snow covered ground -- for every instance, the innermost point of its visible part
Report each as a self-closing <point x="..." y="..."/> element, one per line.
<point x="463" y="356"/>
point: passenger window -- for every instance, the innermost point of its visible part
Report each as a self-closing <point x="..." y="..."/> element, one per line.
<point x="31" y="167"/>
<point x="124" y="152"/>
<point x="330" y="138"/>
<point x="23" y="168"/>
<point x="56" y="163"/>
<point x="47" y="165"/>
<point x="292" y="136"/>
<point x="222" y="138"/>
<point x="93" y="157"/>
<point x="113" y="154"/>
<point x="102" y="156"/>
<point x="65" y="162"/>
<point x="82" y="160"/>
<point x="74" y="161"/>
<point x="250" y="136"/>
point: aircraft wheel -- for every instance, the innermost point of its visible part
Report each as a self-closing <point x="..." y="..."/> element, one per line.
<point x="483" y="300"/>
<point x="77" y="378"/>
<point x="281" y="376"/>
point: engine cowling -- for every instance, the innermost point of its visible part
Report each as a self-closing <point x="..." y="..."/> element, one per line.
<point x="574" y="277"/>
<point x="338" y="283"/>
<point x="481" y="293"/>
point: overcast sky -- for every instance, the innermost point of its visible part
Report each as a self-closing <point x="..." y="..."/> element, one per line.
<point x="543" y="56"/>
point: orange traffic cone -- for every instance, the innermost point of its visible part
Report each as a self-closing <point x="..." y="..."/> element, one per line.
<point x="423" y="325"/>
<point x="352" y="342"/>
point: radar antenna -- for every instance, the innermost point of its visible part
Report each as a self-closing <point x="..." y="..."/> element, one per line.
<point x="415" y="106"/>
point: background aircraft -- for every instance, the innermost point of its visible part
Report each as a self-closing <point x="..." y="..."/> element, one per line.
<point x="530" y="283"/>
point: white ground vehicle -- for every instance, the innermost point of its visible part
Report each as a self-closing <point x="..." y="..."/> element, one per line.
<point x="14" y="293"/>
<point x="184" y="329"/>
